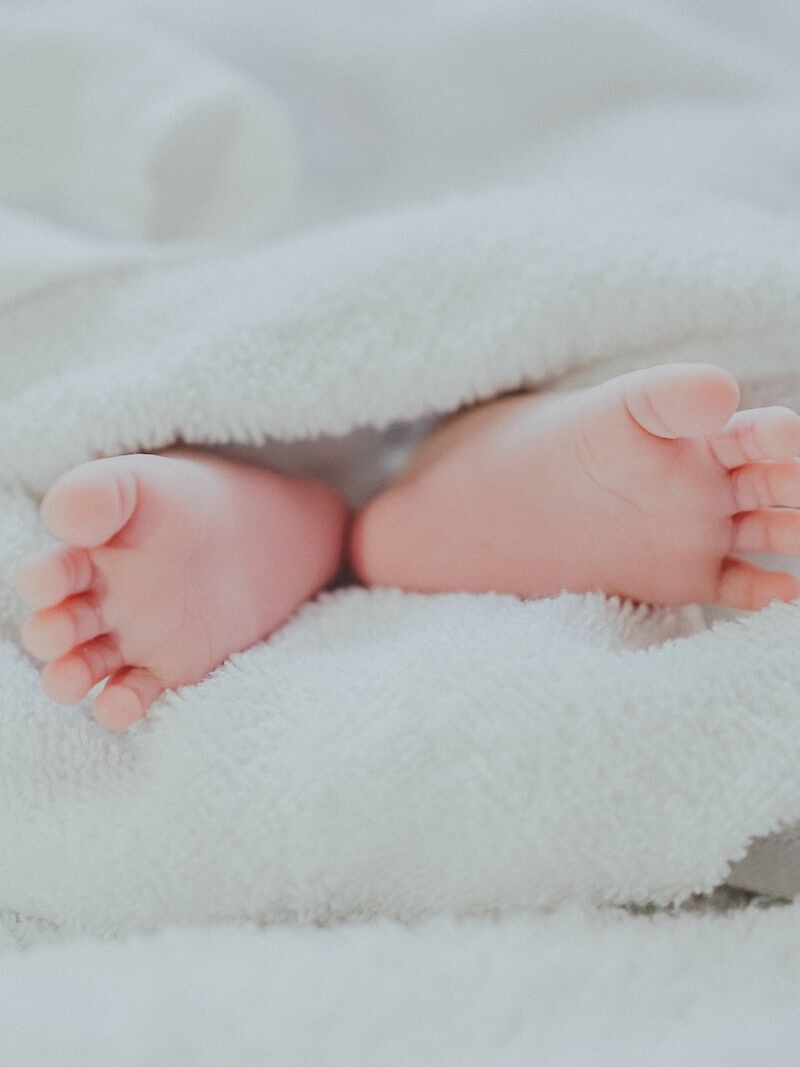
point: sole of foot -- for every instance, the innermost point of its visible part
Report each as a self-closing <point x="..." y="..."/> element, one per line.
<point x="167" y="565"/>
<point x="648" y="486"/>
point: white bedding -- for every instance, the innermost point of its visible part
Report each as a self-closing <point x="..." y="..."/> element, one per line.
<point x="577" y="988"/>
<point x="408" y="208"/>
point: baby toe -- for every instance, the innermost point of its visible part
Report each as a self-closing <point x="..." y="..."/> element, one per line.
<point x="69" y="679"/>
<point x="679" y="400"/>
<point x="749" y="588"/>
<point x="761" y="434"/>
<point x="126" y="697"/>
<point x="51" y="633"/>
<point x="766" y="485"/>
<point x="49" y="577"/>
<point x="88" y="505"/>
<point x="767" y="531"/>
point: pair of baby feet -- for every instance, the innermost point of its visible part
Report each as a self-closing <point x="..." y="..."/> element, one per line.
<point x="646" y="487"/>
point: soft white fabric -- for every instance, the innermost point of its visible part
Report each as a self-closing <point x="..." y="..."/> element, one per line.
<point x="107" y="128"/>
<point x="387" y="754"/>
<point x="572" y="989"/>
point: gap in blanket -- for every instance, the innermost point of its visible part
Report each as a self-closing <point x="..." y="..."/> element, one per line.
<point x="358" y="465"/>
<point x="722" y="899"/>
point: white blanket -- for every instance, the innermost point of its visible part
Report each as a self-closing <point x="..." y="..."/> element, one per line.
<point x="605" y="186"/>
<point x="572" y="989"/>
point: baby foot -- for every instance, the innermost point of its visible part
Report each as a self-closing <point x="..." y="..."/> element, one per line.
<point x="169" y="564"/>
<point x="646" y="486"/>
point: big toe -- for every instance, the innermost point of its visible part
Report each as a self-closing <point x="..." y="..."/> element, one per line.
<point x="679" y="400"/>
<point x="91" y="503"/>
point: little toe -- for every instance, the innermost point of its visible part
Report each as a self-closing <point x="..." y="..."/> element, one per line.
<point x="126" y="697"/>
<point x="761" y="434"/>
<point x="767" y="531"/>
<point x="49" y="577"/>
<point x="52" y="632"/>
<point x="69" y="679"/>
<point x="92" y="502"/>
<point x="766" y="485"/>
<point x="679" y="400"/>
<point x="749" y="588"/>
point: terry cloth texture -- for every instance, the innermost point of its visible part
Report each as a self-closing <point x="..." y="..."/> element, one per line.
<point x="515" y="195"/>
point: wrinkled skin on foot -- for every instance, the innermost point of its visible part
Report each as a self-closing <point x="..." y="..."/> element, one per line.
<point x="167" y="565"/>
<point x="648" y="486"/>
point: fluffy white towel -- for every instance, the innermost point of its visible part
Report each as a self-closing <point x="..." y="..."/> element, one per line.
<point x="387" y="753"/>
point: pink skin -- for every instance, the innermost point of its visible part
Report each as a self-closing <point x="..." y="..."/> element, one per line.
<point x="646" y="486"/>
<point x="168" y="565"/>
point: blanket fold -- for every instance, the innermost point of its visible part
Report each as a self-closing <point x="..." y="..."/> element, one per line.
<point x="129" y="135"/>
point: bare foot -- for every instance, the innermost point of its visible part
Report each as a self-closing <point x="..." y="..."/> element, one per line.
<point x="169" y="564"/>
<point x="646" y="486"/>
